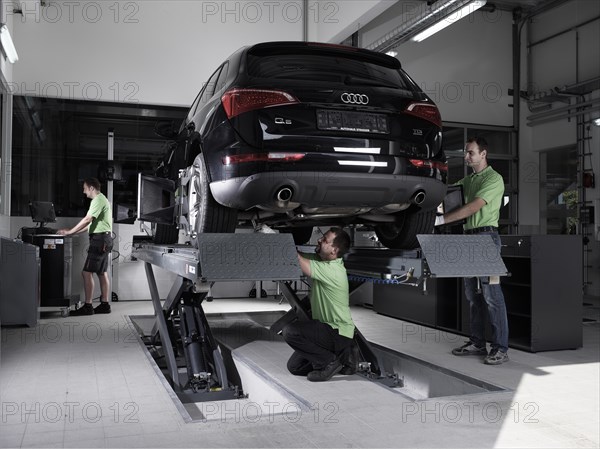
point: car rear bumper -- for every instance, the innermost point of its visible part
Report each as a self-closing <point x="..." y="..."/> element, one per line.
<point x="322" y="189"/>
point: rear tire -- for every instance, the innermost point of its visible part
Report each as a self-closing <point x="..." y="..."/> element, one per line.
<point x="204" y="214"/>
<point x="164" y="234"/>
<point x="403" y="234"/>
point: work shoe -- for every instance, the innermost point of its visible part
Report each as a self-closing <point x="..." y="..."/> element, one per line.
<point x="496" y="357"/>
<point x="86" y="309"/>
<point x="326" y="373"/>
<point x="351" y="363"/>
<point x="104" y="307"/>
<point x="469" y="349"/>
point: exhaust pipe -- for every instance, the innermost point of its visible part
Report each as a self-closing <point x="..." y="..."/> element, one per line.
<point x="418" y="198"/>
<point x="284" y="194"/>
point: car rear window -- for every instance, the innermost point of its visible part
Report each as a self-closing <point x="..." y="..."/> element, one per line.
<point x="325" y="68"/>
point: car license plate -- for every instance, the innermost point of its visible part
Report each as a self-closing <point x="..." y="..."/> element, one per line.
<point x="364" y="122"/>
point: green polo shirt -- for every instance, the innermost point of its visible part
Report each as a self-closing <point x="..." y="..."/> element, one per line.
<point x="100" y="210"/>
<point x="329" y="295"/>
<point x="489" y="186"/>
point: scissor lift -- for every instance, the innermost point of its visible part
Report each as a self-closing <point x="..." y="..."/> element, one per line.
<point x="181" y="325"/>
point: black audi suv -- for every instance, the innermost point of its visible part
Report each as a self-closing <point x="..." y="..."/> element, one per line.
<point x="295" y="135"/>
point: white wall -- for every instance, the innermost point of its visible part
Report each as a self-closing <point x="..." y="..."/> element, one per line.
<point x="465" y="68"/>
<point x="158" y="52"/>
<point x="333" y="22"/>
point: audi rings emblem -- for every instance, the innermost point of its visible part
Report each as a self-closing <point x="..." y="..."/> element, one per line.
<point x="354" y="98"/>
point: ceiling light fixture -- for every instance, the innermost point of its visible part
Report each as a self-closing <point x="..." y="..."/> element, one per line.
<point x="421" y="18"/>
<point x="449" y="20"/>
<point x="597" y="121"/>
<point x="7" y="44"/>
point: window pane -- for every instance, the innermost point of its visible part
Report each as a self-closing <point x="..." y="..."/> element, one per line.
<point x="453" y="139"/>
<point x="58" y="143"/>
<point x="504" y="167"/>
<point x="323" y="68"/>
<point x="498" y="141"/>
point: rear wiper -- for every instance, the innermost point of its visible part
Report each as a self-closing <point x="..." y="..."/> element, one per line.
<point x="356" y="81"/>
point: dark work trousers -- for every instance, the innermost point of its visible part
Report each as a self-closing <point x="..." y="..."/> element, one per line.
<point x="315" y="345"/>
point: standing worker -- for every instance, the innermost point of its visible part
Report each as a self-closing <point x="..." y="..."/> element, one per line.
<point x="484" y="190"/>
<point x="324" y="345"/>
<point x="99" y="221"/>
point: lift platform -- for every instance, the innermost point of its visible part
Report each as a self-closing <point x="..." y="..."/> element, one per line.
<point x="181" y="326"/>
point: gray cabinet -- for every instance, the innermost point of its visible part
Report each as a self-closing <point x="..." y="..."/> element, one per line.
<point x="19" y="283"/>
<point x="544" y="294"/>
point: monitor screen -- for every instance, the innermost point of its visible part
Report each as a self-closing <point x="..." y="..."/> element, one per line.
<point x="454" y="199"/>
<point x="42" y="212"/>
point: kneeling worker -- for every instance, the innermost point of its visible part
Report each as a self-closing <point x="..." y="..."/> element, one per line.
<point x="323" y="346"/>
<point x="99" y="221"/>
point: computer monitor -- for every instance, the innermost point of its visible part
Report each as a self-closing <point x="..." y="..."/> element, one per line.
<point x="42" y="212"/>
<point x="454" y="199"/>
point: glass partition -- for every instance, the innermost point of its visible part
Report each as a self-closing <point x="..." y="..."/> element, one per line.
<point x="57" y="143"/>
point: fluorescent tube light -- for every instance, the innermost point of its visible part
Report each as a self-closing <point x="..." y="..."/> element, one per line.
<point x="449" y="20"/>
<point x="392" y="53"/>
<point x="597" y="121"/>
<point x="7" y="44"/>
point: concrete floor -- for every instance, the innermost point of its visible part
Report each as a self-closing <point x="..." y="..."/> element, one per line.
<point x="87" y="382"/>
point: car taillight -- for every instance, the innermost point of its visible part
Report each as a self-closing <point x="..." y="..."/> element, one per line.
<point x="261" y="157"/>
<point x="427" y="111"/>
<point x="420" y="163"/>
<point x="238" y="101"/>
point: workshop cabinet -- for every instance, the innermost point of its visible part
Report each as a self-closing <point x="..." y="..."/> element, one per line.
<point x="56" y="254"/>
<point x="19" y="283"/>
<point x="544" y="293"/>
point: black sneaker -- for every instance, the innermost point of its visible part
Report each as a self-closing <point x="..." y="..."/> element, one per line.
<point x="86" y="309"/>
<point x="326" y="373"/>
<point x="496" y="357"/>
<point x="104" y="307"/>
<point x="469" y="349"/>
<point x="351" y="363"/>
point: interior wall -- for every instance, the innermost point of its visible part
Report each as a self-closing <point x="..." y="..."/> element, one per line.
<point x="559" y="49"/>
<point x="465" y="68"/>
<point x="334" y="21"/>
<point x="156" y="52"/>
